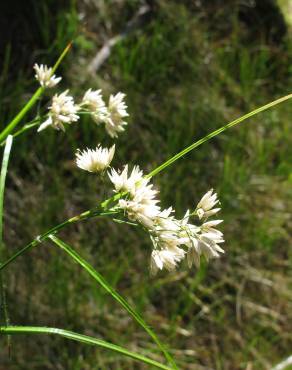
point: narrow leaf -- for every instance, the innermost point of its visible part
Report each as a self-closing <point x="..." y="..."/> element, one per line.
<point x="3" y="174"/>
<point x="215" y="133"/>
<point x="81" y="338"/>
<point x="4" y="167"/>
<point x="100" y="279"/>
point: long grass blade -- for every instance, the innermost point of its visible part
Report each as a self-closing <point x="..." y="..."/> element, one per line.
<point x="215" y="133"/>
<point x="101" y="281"/>
<point x="4" y="167"/>
<point x="3" y="174"/>
<point x="83" y="339"/>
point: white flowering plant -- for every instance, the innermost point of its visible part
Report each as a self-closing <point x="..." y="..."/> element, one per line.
<point x="135" y="200"/>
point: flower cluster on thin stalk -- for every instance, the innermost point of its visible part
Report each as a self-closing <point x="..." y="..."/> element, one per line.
<point x="173" y="239"/>
<point x="45" y="76"/>
<point x="64" y="111"/>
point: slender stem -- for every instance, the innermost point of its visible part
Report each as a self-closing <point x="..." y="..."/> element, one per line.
<point x="27" y="127"/>
<point x="23" y="129"/>
<point x="61" y="57"/>
<point x="215" y="133"/>
<point x="7" y="130"/>
<point x="3" y="174"/>
<point x="105" y="285"/>
<point x="95" y="212"/>
<point x="21" y="114"/>
<point x="81" y="338"/>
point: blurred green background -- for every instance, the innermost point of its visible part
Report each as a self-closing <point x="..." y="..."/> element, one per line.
<point x="187" y="67"/>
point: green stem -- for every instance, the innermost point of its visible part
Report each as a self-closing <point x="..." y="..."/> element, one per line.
<point x="81" y="338"/>
<point x="105" y="285"/>
<point x="95" y="212"/>
<point x="27" y="127"/>
<point x="35" y="122"/>
<point x="215" y="133"/>
<point x="21" y="114"/>
<point x="8" y="129"/>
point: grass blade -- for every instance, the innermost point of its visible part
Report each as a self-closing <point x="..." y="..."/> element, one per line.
<point x="4" y="168"/>
<point x="217" y="132"/>
<point x="101" y="281"/>
<point x="81" y="338"/>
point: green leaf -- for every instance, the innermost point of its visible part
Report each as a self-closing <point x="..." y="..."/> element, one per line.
<point x="3" y="174"/>
<point x="215" y="133"/>
<point x="80" y="338"/>
<point x="2" y="182"/>
<point x="99" y="278"/>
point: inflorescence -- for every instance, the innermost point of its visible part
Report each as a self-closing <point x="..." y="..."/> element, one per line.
<point x="173" y="239"/>
<point x="64" y="110"/>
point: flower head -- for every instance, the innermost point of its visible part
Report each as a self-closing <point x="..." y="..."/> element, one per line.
<point x="202" y="240"/>
<point x="63" y="110"/>
<point x="124" y="182"/>
<point x="45" y="76"/>
<point x="144" y="212"/>
<point x="205" y="207"/>
<point x="95" y="160"/>
<point x="169" y="233"/>
<point x="93" y="100"/>
<point x="167" y="257"/>
<point x="140" y="203"/>
<point x="117" y="110"/>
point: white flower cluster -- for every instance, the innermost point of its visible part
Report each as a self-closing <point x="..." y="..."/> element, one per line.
<point x="95" y="160"/>
<point x="64" y="110"/>
<point x="112" y="115"/>
<point x="45" y="76"/>
<point x="173" y="239"/>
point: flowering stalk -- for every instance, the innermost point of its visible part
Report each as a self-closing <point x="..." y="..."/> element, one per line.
<point x="173" y="239"/>
<point x="64" y="110"/>
<point x="94" y="212"/>
<point x="10" y="127"/>
<point x="82" y="339"/>
<point x="112" y="200"/>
